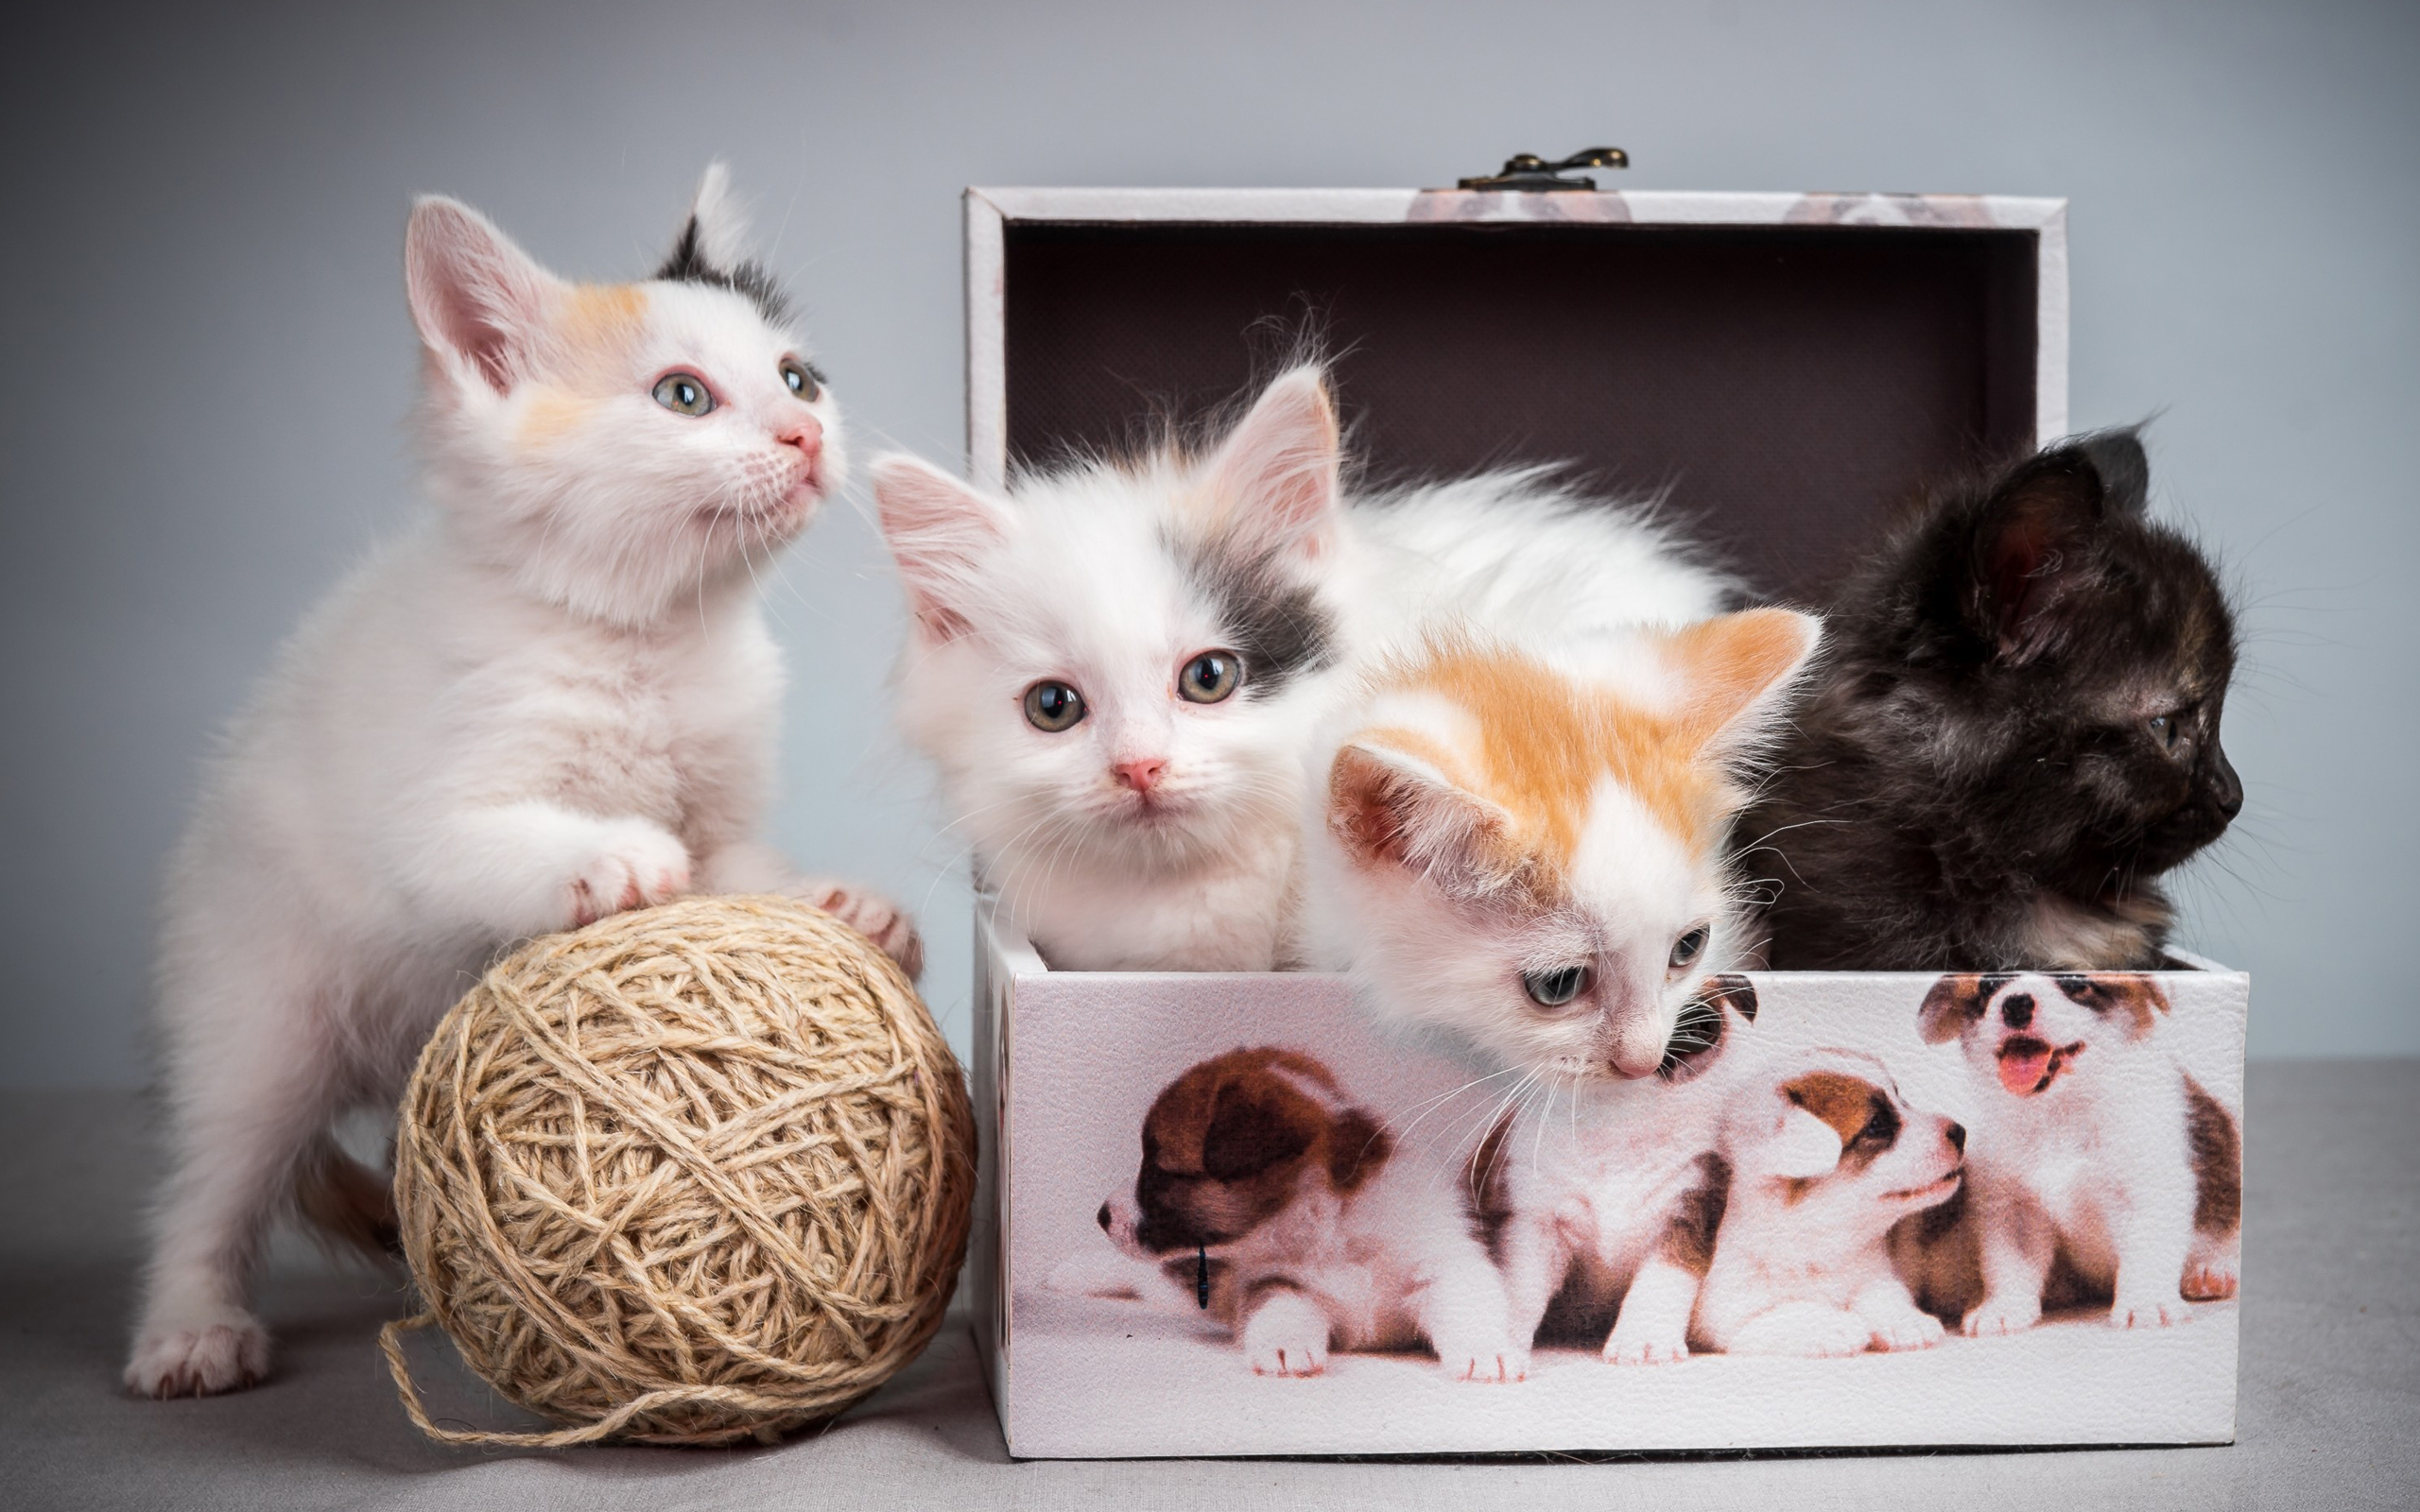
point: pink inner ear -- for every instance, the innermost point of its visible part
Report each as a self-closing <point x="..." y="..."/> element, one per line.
<point x="939" y="529"/>
<point x="1277" y="471"/>
<point x="473" y="292"/>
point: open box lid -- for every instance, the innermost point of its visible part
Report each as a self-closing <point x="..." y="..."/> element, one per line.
<point x="1785" y="368"/>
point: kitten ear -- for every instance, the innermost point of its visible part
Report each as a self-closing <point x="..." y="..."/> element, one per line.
<point x="1741" y="670"/>
<point x="1804" y="1146"/>
<point x="2125" y="471"/>
<point x="1394" y="810"/>
<point x="714" y="239"/>
<point x="939" y="531"/>
<point x="478" y="300"/>
<point x="1276" y="478"/>
<point x="2033" y="548"/>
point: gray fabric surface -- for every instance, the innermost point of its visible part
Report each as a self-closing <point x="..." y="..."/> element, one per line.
<point x="2330" y="1413"/>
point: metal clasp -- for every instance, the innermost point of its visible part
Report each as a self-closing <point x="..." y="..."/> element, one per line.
<point x="1528" y="173"/>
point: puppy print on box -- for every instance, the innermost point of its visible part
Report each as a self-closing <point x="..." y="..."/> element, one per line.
<point x="2103" y="1171"/>
<point x="1233" y="1238"/>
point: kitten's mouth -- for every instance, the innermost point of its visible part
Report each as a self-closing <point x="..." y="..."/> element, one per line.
<point x="2029" y="1065"/>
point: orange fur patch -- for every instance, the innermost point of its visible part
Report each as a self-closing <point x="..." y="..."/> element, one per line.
<point x="592" y="332"/>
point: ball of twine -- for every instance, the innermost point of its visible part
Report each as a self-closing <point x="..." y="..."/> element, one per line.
<point x="688" y="1175"/>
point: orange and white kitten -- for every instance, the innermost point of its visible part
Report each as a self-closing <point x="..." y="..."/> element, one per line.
<point x="1524" y="852"/>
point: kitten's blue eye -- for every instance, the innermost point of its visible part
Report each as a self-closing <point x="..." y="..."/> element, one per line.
<point x="2165" y="729"/>
<point x="1211" y="676"/>
<point x="1690" y="945"/>
<point x="802" y="380"/>
<point x="1053" y="706"/>
<point x="1552" y="989"/>
<point x="683" y="393"/>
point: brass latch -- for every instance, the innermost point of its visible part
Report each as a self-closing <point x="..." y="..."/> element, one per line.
<point x="1531" y="174"/>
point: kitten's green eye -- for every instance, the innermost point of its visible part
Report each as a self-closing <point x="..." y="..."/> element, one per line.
<point x="1211" y="676"/>
<point x="683" y="393"/>
<point x="1552" y="989"/>
<point x="804" y="380"/>
<point x="1053" y="706"/>
<point x="1690" y="945"/>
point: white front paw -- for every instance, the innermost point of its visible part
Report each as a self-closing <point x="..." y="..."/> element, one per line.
<point x="1288" y="1336"/>
<point x="1646" y="1346"/>
<point x="1804" y="1329"/>
<point x="2003" y="1315"/>
<point x="2152" y="1312"/>
<point x="870" y="914"/>
<point x="636" y="865"/>
<point x="1488" y="1360"/>
<point x="1907" y="1328"/>
<point x="225" y="1349"/>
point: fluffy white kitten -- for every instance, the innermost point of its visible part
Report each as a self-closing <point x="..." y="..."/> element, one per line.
<point x="1118" y="667"/>
<point x="553" y="700"/>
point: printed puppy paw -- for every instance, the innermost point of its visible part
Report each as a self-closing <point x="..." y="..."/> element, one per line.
<point x="1288" y="1336"/>
<point x="2003" y="1315"/>
<point x="870" y="914"/>
<point x="1910" y="1330"/>
<point x="1485" y="1364"/>
<point x="226" y="1352"/>
<point x="2148" y="1313"/>
<point x="1646" y="1348"/>
<point x="1805" y="1331"/>
<point x="2208" y="1283"/>
<point x="638" y="866"/>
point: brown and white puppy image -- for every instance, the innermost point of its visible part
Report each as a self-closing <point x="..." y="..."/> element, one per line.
<point x="1603" y="1212"/>
<point x="1824" y="1159"/>
<point x="2096" y="1158"/>
<point x="1290" y="1216"/>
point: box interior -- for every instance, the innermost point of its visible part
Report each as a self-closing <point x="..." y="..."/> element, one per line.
<point x="1785" y="386"/>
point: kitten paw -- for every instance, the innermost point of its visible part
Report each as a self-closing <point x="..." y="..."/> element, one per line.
<point x="1645" y="1350"/>
<point x="2003" y="1315"/>
<point x="224" y="1351"/>
<point x="872" y="914"/>
<point x="2148" y="1313"/>
<point x="638" y="866"/>
<point x="2208" y="1283"/>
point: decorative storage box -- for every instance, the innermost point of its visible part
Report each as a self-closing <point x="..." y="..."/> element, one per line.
<point x="1784" y="368"/>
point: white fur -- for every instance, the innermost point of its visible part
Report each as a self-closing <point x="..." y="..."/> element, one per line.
<point x="552" y="700"/>
<point x="1802" y="1264"/>
<point x="1072" y="578"/>
<point x="2099" y="1164"/>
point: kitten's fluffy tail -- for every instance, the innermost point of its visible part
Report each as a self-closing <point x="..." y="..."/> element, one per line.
<point x="346" y="1202"/>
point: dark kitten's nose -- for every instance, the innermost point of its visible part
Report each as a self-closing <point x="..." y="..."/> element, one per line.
<point x="2019" y="1011"/>
<point x="1956" y="1135"/>
<point x="1102" y="1217"/>
<point x="2226" y="789"/>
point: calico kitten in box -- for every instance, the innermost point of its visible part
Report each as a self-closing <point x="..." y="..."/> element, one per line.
<point x="2015" y="735"/>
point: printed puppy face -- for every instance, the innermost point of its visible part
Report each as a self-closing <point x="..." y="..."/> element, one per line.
<point x="1234" y="1142"/>
<point x="2030" y="1029"/>
<point x="1107" y="660"/>
<point x="1843" y="1143"/>
<point x="1533" y="852"/>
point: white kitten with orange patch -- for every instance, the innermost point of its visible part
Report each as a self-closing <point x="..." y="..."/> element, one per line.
<point x="1523" y="852"/>
<point x="1117" y="666"/>
<point x="555" y="699"/>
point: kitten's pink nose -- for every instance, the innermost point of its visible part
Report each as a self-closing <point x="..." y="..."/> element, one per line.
<point x="1142" y="776"/>
<point x="806" y="434"/>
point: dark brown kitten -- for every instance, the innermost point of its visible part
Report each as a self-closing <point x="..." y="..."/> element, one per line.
<point x="2016" y="735"/>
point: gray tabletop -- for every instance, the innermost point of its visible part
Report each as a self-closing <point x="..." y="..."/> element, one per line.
<point x="2330" y="1413"/>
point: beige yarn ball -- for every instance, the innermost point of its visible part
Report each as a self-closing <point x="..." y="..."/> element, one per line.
<point x="689" y="1175"/>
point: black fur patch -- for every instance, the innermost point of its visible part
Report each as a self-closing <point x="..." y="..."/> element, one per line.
<point x="686" y="264"/>
<point x="1973" y="784"/>
<point x="1277" y="626"/>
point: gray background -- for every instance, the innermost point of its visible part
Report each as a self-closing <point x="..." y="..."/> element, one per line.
<point x="209" y="364"/>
